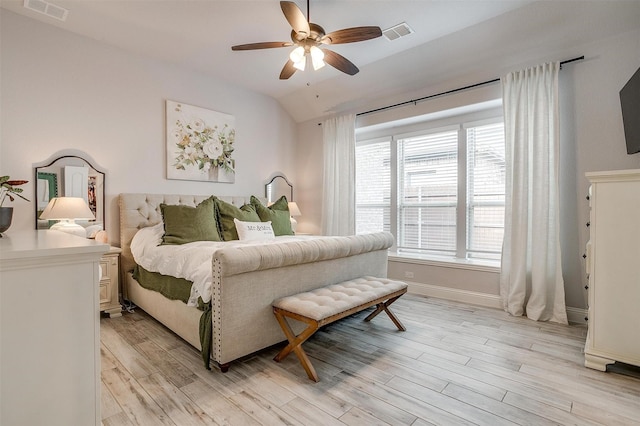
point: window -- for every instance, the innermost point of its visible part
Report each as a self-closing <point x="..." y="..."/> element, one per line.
<point x="440" y="191"/>
<point x="373" y="186"/>
<point x="485" y="190"/>
<point x="428" y="191"/>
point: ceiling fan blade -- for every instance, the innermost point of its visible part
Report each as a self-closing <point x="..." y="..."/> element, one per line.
<point x="296" y="18"/>
<point x="263" y="45"/>
<point x="288" y="70"/>
<point x="339" y="62"/>
<point x="351" y="35"/>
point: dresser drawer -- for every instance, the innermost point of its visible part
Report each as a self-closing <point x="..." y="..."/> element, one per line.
<point x="110" y="283"/>
<point x="105" y="271"/>
<point x="105" y="296"/>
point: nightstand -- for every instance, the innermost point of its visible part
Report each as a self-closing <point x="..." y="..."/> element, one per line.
<point x="110" y="283"/>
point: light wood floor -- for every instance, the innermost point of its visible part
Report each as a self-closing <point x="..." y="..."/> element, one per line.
<point x="455" y="364"/>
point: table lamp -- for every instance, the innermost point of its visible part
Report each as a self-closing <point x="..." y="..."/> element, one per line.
<point x="67" y="210"/>
<point x="294" y="210"/>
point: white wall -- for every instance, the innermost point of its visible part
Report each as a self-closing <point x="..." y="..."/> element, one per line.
<point x="63" y="91"/>
<point x="309" y="185"/>
<point x="592" y="139"/>
<point x="598" y="142"/>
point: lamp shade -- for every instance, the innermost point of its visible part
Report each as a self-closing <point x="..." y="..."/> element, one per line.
<point x="317" y="56"/>
<point x="298" y="57"/>
<point x="65" y="208"/>
<point x="294" y="210"/>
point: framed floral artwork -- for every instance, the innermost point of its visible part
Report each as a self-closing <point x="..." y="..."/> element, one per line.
<point x="200" y="144"/>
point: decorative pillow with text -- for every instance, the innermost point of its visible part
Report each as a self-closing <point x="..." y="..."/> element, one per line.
<point x="248" y="231"/>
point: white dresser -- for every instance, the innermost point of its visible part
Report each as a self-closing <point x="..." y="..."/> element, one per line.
<point x="613" y="266"/>
<point x="49" y="329"/>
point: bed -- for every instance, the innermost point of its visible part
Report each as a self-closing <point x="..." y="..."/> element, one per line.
<point x="245" y="280"/>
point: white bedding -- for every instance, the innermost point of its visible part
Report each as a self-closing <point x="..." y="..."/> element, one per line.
<point x="190" y="261"/>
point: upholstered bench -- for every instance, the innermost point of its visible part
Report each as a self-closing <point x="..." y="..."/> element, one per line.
<point x="328" y="304"/>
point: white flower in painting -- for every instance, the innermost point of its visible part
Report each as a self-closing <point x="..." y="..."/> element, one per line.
<point x="189" y="150"/>
<point x="197" y="125"/>
<point x="206" y="167"/>
<point x="213" y="149"/>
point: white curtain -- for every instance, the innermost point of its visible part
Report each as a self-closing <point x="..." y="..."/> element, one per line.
<point x="338" y="198"/>
<point x="531" y="277"/>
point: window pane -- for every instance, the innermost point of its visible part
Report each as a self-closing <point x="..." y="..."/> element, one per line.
<point x="485" y="189"/>
<point x="372" y="219"/>
<point x="428" y="188"/>
<point x="373" y="186"/>
<point x="429" y="228"/>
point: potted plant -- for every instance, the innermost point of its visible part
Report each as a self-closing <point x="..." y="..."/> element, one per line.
<point x="8" y="190"/>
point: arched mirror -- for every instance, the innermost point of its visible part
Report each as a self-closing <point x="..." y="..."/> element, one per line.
<point x="69" y="174"/>
<point x="277" y="187"/>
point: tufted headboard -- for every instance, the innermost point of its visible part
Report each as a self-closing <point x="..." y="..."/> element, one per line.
<point x="141" y="210"/>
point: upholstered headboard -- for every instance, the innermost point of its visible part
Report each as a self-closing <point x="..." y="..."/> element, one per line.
<point x="141" y="210"/>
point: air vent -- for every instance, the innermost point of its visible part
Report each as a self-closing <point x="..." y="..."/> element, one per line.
<point x="46" y="8"/>
<point x="397" y="31"/>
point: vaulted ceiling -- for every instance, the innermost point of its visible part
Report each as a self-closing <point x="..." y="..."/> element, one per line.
<point x="451" y="40"/>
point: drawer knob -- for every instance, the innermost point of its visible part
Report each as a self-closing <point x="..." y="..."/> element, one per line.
<point x="584" y="255"/>
<point x="588" y="224"/>
<point x="586" y="287"/>
<point x="588" y="198"/>
<point x="586" y="318"/>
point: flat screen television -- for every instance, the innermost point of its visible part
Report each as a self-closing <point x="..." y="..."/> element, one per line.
<point x="630" y="102"/>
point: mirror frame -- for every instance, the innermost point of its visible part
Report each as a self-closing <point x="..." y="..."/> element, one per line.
<point x="268" y="189"/>
<point x="70" y="154"/>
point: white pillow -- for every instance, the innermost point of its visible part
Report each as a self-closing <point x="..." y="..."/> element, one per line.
<point x="150" y="236"/>
<point x="248" y="231"/>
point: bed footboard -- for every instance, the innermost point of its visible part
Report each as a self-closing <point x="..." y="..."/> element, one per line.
<point x="246" y="280"/>
<point x="243" y="320"/>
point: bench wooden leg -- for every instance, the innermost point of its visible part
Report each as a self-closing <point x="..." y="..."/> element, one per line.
<point x="384" y="306"/>
<point x="295" y="343"/>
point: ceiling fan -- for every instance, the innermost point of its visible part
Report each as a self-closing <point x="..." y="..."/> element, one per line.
<point x="308" y="37"/>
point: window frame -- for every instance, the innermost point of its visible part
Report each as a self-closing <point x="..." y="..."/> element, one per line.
<point x="460" y="123"/>
<point x="395" y="148"/>
<point x="392" y="180"/>
<point x="465" y="126"/>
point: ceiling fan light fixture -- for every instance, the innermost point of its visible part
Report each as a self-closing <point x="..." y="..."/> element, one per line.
<point x="300" y="65"/>
<point x="317" y="56"/>
<point x="298" y="58"/>
<point x="306" y="36"/>
<point x="297" y="54"/>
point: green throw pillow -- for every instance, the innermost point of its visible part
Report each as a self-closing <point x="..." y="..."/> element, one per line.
<point x="186" y="224"/>
<point x="277" y="213"/>
<point x="227" y="212"/>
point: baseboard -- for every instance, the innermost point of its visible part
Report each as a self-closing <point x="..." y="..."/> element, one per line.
<point x="574" y="315"/>
<point x="577" y="315"/>
<point x="457" y="295"/>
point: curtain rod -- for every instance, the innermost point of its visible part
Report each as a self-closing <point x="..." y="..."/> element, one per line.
<point x="448" y="92"/>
